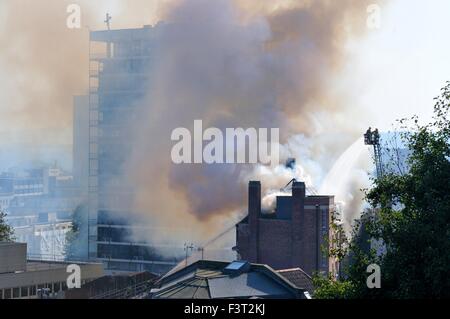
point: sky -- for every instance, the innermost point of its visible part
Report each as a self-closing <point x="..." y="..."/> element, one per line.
<point x="398" y="69"/>
<point x="391" y="72"/>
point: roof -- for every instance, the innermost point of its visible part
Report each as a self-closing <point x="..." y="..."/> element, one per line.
<point x="191" y="288"/>
<point x="146" y="32"/>
<point x="247" y="285"/>
<point x="299" y="278"/>
<point x="38" y="265"/>
<point x="113" y="287"/>
<point x="210" y="280"/>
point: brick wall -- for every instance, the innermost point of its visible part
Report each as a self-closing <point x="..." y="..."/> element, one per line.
<point x="282" y="243"/>
<point x="275" y="243"/>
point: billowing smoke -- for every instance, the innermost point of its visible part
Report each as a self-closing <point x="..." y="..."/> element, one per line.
<point x="230" y="63"/>
<point x="242" y="64"/>
<point x="43" y="64"/>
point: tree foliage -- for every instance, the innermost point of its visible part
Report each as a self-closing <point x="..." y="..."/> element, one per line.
<point x="76" y="238"/>
<point x="328" y="288"/>
<point x="6" y="231"/>
<point x="411" y="216"/>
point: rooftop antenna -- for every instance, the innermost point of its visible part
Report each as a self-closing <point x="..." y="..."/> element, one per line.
<point x="108" y="24"/>
<point x="108" y="21"/>
<point x="202" y="250"/>
<point x="188" y="247"/>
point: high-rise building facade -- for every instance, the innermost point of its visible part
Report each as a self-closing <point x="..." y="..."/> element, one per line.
<point x="81" y="143"/>
<point x="120" y="66"/>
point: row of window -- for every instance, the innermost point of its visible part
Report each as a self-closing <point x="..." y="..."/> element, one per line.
<point x="4" y="202"/>
<point x="29" y="191"/>
<point x="125" y="82"/>
<point x="132" y="48"/>
<point x="136" y="252"/>
<point x="106" y="218"/>
<point x="118" y="115"/>
<point x="324" y="234"/>
<point x="113" y="234"/>
<point x="126" y="266"/>
<point x="33" y="291"/>
<point x="110" y="100"/>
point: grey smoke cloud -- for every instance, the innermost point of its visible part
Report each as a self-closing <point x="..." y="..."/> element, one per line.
<point x="238" y="64"/>
<point x="245" y="63"/>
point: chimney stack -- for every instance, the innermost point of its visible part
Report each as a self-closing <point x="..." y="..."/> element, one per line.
<point x="254" y="211"/>
<point x="298" y="222"/>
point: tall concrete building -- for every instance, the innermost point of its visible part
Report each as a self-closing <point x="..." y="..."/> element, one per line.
<point x="120" y="65"/>
<point x="81" y="143"/>
<point x="294" y="235"/>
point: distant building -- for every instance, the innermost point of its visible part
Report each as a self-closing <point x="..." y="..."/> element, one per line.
<point x="120" y="68"/>
<point x="39" y="204"/>
<point x="5" y="200"/>
<point x="46" y="240"/>
<point x="31" y="183"/>
<point x="36" y="190"/>
<point x="119" y="286"/>
<point x="295" y="235"/>
<point x="28" y="279"/>
<point x="221" y="280"/>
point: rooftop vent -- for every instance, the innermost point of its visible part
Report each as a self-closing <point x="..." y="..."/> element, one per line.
<point x="237" y="268"/>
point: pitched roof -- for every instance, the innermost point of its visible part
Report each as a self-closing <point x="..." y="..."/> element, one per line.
<point x="247" y="285"/>
<point x="191" y="288"/>
<point x="299" y="278"/>
<point x="210" y="280"/>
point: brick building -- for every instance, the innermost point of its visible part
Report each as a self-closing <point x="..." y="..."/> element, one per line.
<point x="294" y="235"/>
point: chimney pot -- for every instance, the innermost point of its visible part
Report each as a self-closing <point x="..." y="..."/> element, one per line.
<point x="254" y="211"/>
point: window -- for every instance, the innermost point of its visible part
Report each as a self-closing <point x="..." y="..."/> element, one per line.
<point x="49" y="287"/>
<point x="16" y="293"/>
<point x="93" y="165"/>
<point x="40" y="288"/>
<point x="94" y="115"/>
<point x="1" y="294"/>
<point x="8" y="293"/>
<point x="33" y="291"/>
<point x="94" y="132"/>
<point x="94" y="148"/>
<point x="324" y="219"/>
<point x="137" y="47"/>
<point x="56" y="287"/>
<point x="24" y="292"/>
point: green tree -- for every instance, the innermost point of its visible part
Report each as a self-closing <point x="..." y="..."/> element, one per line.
<point x="411" y="216"/>
<point x="76" y="238"/>
<point x="329" y="288"/>
<point x="6" y="231"/>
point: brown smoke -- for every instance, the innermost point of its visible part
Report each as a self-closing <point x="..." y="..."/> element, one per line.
<point x="44" y="63"/>
<point x="231" y="63"/>
<point x="237" y="64"/>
